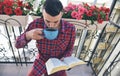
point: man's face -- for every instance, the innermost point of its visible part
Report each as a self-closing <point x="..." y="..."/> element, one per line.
<point x="52" y="21"/>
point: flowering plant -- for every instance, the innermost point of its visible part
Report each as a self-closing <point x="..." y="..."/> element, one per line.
<point x="33" y="7"/>
<point x="14" y="7"/>
<point x="86" y="12"/>
<point x="19" y="7"/>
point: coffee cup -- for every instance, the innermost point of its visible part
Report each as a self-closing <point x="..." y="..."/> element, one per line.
<point x="50" y="33"/>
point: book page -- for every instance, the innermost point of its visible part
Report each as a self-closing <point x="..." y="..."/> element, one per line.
<point x="54" y="65"/>
<point x="49" y="65"/>
<point x="73" y="61"/>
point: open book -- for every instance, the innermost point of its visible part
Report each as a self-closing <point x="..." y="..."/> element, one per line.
<point x="53" y="64"/>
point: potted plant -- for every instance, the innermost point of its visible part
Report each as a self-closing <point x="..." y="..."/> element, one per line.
<point x="87" y="13"/>
<point x="18" y="10"/>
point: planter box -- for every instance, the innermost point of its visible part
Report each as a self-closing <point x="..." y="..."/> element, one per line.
<point x="35" y="17"/>
<point x="81" y="24"/>
<point x="14" y="20"/>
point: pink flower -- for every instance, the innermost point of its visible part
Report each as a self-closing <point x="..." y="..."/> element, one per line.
<point x="19" y="3"/>
<point x="79" y="16"/>
<point x="89" y="13"/>
<point x="0" y="11"/>
<point x="107" y="10"/>
<point x="0" y="7"/>
<point x="8" y="2"/>
<point x="18" y="11"/>
<point x="15" y="7"/>
<point x="27" y="6"/>
<point x="66" y="9"/>
<point x="98" y="16"/>
<point x="93" y="7"/>
<point x="100" y="20"/>
<point x="107" y="17"/>
<point x="81" y="9"/>
<point x="74" y="14"/>
<point x="86" y="12"/>
<point x="72" y="6"/>
<point x="8" y="11"/>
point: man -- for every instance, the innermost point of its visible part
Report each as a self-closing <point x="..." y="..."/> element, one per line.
<point x="60" y="47"/>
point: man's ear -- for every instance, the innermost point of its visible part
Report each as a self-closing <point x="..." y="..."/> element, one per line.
<point x="43" y="12"/>
<point x="61" y="14"/>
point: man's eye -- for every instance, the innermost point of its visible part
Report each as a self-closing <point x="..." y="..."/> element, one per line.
<point x="56" y="22"/>
<point x="47" y="21"/>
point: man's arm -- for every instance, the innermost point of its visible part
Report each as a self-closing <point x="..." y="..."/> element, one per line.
<point x="32" y="32"/>
<point x="21" y="40"/>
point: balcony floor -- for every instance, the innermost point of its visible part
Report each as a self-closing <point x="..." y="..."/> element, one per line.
<point x="13" y="70"/>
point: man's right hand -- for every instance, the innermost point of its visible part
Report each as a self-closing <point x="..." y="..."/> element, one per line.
<point x="35" y="34"/>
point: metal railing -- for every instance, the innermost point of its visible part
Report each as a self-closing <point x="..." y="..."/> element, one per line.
<point x="112" y="65"/>
<point x="95" y="56"/>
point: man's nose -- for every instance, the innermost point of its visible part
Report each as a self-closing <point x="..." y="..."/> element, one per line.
<point x="51" y="25"/>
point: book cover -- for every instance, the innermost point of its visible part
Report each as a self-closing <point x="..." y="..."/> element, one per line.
<point x="54" y="65"/>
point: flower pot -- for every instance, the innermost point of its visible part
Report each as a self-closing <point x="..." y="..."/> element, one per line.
<point x="14" y="20"/>
<point x="30" y="18"/>
<point x="35" y="17"/>
<point x="81" y="24"/>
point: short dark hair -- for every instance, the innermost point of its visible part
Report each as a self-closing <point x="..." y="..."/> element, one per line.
<point x="53" y="7"/>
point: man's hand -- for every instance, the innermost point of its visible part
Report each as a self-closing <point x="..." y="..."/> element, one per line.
<point x="62" y="59"/>
<point x="35" y="34"/>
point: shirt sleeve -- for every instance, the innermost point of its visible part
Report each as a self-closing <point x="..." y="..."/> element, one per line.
<point x="70" y="47"/>
<point x="21" y="40"/>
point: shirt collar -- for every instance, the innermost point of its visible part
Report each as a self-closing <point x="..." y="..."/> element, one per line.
<point x="62" y="25"/>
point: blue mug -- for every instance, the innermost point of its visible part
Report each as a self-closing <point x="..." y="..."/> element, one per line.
<point x="50" y="33"/>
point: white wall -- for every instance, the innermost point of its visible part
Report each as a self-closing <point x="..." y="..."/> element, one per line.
<point x="64" y="2"/>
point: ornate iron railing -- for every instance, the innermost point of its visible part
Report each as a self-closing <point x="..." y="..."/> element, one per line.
<point x="92" y="46"/>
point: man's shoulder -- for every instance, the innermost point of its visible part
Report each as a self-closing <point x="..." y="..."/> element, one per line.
<point x="38" y="20"/>
<point x="67" y="23"/>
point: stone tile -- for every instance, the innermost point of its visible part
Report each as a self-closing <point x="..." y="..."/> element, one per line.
<point x="81" y="70"/>
<point x="13" y="70"/>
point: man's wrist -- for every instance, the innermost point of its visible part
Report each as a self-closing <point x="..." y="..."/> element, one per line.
<point x="27" y="36"/>
<point x="62" y="58"/>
